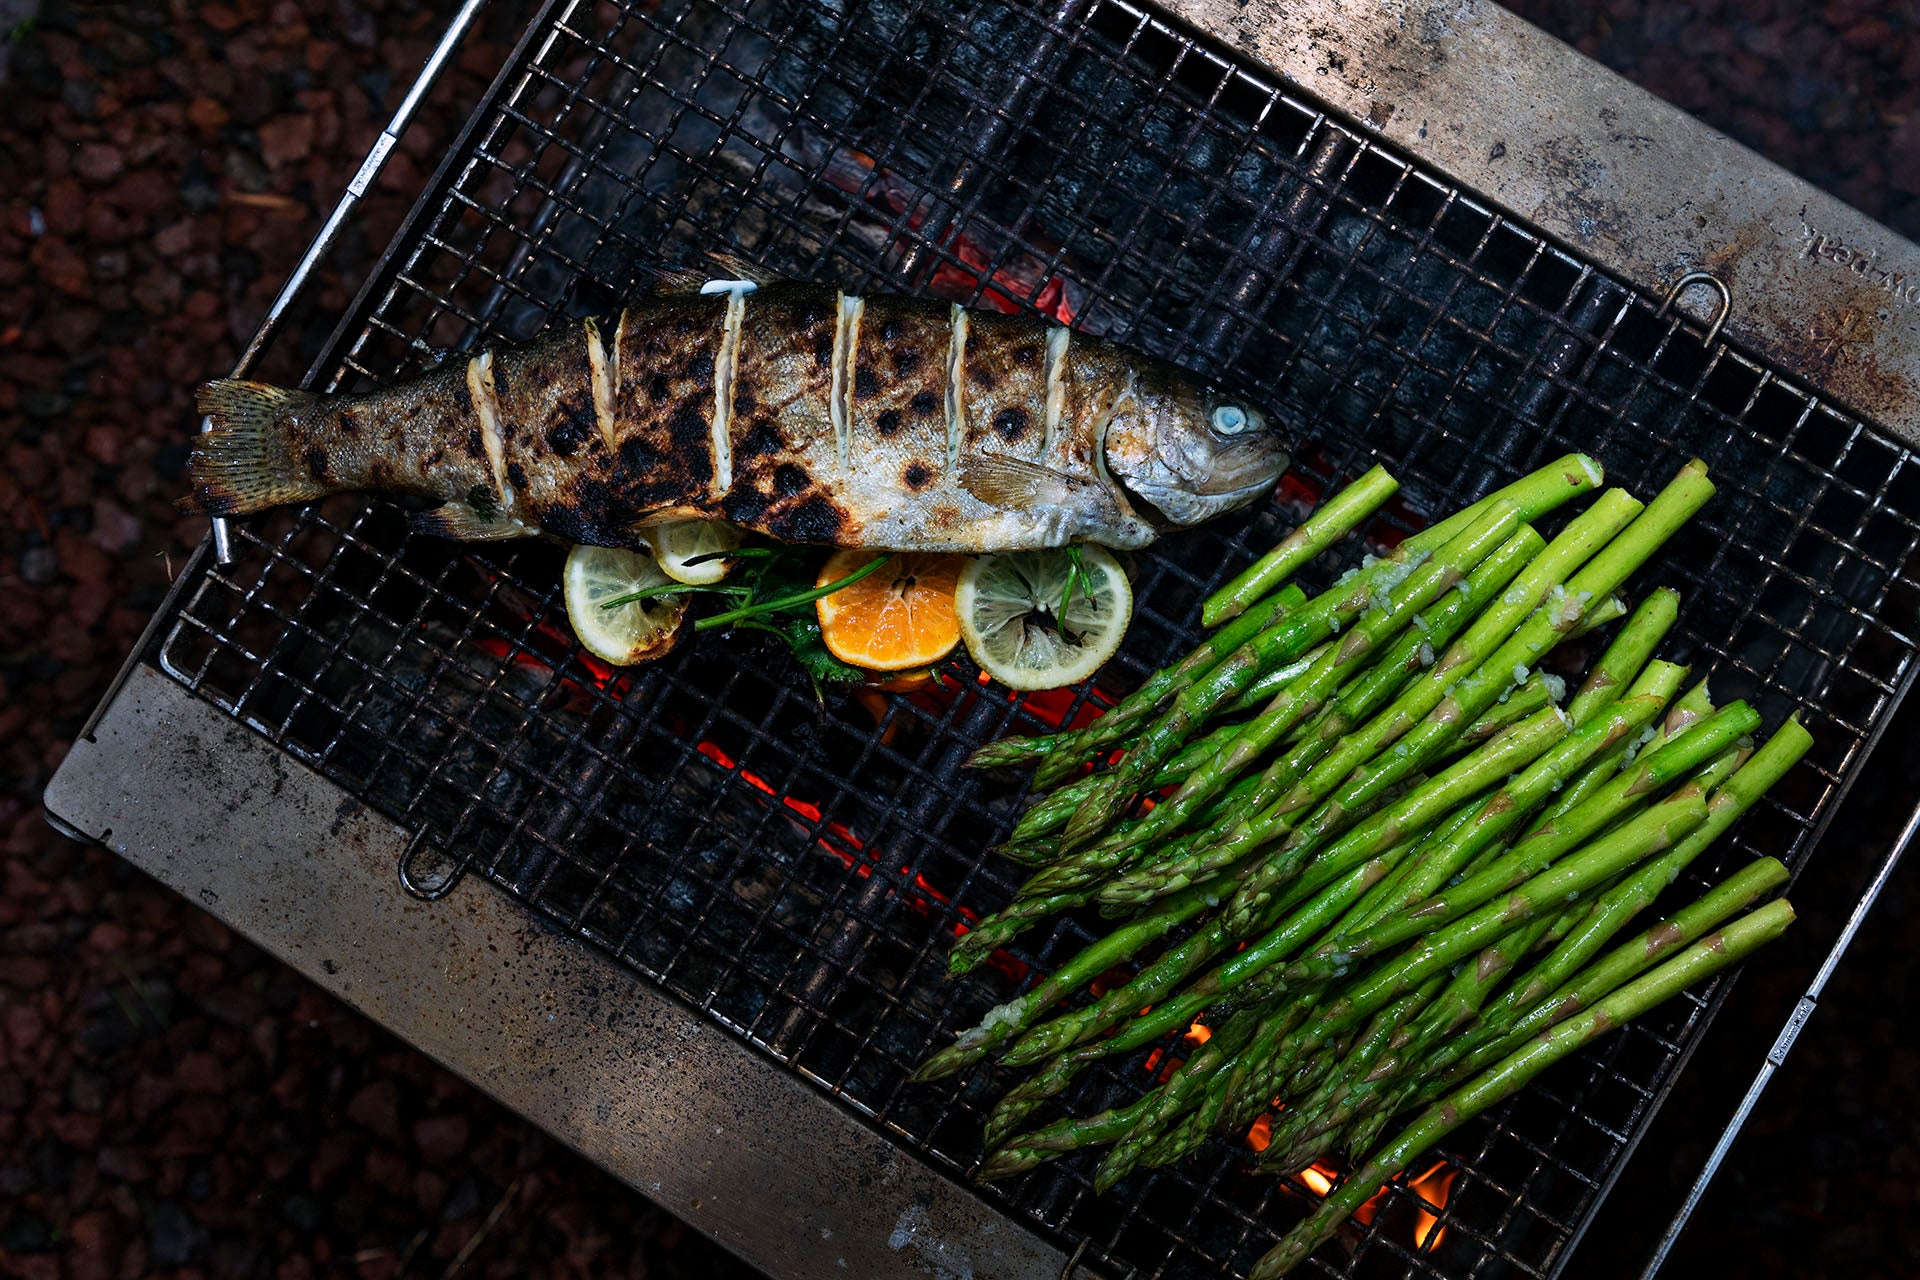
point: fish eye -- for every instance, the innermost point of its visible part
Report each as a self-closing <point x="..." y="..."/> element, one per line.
<point x="1231" y="420"/>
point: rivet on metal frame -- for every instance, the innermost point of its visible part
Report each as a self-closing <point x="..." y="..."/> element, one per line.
<point x="426" y="871"/>
<point x="1712" y="282"/>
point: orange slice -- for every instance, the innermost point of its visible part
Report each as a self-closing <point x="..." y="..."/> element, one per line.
<point x="896" y="618"/>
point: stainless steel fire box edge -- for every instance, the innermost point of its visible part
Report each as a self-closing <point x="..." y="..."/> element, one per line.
<point x="580" y="1046"/>
<point x="1781" y="267"/>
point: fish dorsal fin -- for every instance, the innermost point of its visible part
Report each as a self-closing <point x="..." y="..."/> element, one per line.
<point x="1015" y="483"/>
<point x="723" y="265"/>
<point x="459" y="521"/>
<point x="669" y="282"/>
<point x="720" y="272"/>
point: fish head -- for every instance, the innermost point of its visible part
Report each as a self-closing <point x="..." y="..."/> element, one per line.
<point x="1185" y="454"/>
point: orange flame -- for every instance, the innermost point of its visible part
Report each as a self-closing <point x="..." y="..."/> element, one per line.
<point x="1318" y="1177"/>
<point x="1433" y="1187"/>
<point x="1261" y="1135"/>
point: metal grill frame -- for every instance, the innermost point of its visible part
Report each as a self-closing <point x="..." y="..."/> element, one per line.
<point x="1342" y="150"/>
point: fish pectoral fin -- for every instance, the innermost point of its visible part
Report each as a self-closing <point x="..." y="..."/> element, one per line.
<point x="462" y="523"/>
<point x="670" y="515"/>
<point x="1013" y="483"/>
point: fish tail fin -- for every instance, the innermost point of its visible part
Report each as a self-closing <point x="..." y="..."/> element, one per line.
<point x="247" y="461"/>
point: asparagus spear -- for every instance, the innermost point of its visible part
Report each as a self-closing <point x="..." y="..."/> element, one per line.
<point x="1628" y="653"/>
<point x="1477" y="691"/>
<point x="1612" y="609"/>
<point x="1532" y="857"/>
<point x="1659" y="827"/>
<point x="1373" y="691"/>
<point x="1534" y="494"/>
<point x="1501" y="1081"/>
<point x="1551" y="990"/>
<point x="1511" y="749"/>
<point x="1376" y="626"/>
<point x="1335" y="519"/>
<point x="1310" y="1126"/>
<point x="1299" y="779"/>
<point x="1154" y="692"/>
<point x="1260" y="1075"/>
<point x="1535" y="695"/>
<point x="1440" y="859"/>
<point x="1007" y="1020"/>
<point x="1730" y="799"/>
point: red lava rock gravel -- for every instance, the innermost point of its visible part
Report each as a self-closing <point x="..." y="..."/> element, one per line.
<point x="172" y="1102"/>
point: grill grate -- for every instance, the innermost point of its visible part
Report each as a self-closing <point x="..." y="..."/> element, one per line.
<point x="796" y="869"/>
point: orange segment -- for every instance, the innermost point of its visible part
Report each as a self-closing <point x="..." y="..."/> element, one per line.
<point x="896" y="618"/>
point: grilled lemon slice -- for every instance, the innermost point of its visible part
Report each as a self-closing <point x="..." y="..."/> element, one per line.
<point x="1010" y="615"/>
<point x="629" y="633"/>
<point x="678" y="542"/>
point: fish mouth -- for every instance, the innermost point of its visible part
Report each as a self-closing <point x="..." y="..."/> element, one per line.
<point x="1172" y="507"/>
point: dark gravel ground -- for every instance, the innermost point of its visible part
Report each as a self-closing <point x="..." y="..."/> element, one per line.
<point x="172" y="1102"/>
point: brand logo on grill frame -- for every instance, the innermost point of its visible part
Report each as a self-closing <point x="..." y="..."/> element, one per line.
<point x="1903" y="285"/>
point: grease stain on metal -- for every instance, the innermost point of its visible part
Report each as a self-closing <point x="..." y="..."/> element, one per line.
<point x="941" y="1258"/>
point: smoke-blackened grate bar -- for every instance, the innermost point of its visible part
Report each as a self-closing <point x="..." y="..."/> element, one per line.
<point x="796" y="866"/>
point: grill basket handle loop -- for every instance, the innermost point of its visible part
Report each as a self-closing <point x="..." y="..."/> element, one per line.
<point x="1712" y="282"/>
<point x="426" y="871"/>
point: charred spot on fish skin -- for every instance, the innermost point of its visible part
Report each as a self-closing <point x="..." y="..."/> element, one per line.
<point x="700" y="369"/>
<point x="383" y="474"/>
<point x="762" y="438"/>
<point x="905" y="360"/>
<point x="688" y="425"/>
<point x="476" y="447"/>
<point x="1027" y="357"/>
<point x="317" y="464"/>
<point x="348" y="422"/>
<point x="599" y="510"/>
<point x="979" y="374"/>
<point x="745" y="505"/>
<point x="658" y="387"/>
<point x="1011" y="423"/>
<point x="436" y="457"/>
<point x="517" y="474"/>
<point x="887" y="422"/>
<point x="814" y="520"/>
<point x="866" y="383"/>
<point x="789" y="480"/>
<point x="917" y="475"/>
<point x="572" y="432"/>
<point x="567" y="524"/>
<point x="926" y="404"/>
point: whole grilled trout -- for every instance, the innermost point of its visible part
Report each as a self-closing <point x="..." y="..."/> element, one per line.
<point x="788" y="409"/>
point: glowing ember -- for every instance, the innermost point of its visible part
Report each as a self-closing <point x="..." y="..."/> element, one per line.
<point x="1318" y="1177"/>
<point x="1433" y="1187"/>
<point x="1198" y="1034"/>
<point x="1261" y="1134"/>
